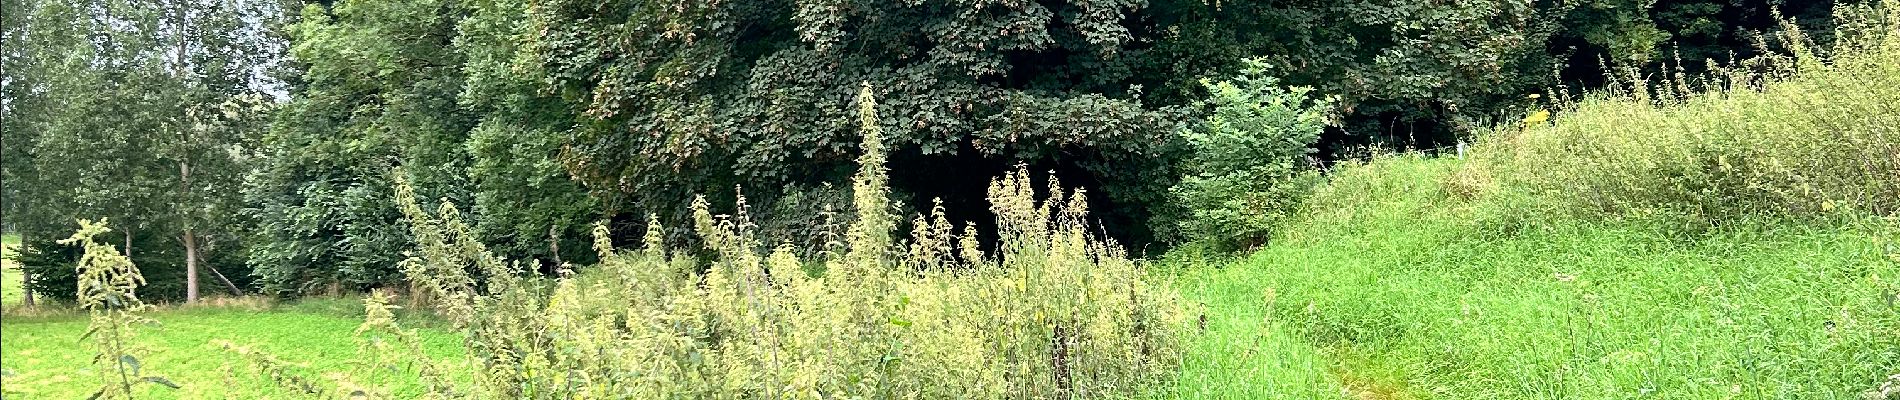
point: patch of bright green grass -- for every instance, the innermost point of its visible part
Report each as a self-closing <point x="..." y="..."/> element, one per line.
<point x="45" y="357"/>
<point x="1400" y="291"/>
<point x="1241" y="353"/>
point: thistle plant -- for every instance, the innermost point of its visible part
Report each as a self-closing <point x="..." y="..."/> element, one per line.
<point x="108" y="290"/>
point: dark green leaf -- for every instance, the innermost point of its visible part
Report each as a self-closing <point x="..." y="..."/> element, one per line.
<point x="131" y="361"/>
<point x="161" y="381"/>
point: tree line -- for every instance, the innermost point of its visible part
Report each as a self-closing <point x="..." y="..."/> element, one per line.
<point x="248" y="146"/>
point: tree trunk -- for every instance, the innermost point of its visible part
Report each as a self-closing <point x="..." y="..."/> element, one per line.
<point x="554" y="244"/>
<point x="191" y="240"/>
<point x="184" y="175"/>
<point x="26" y="278"/>
<point x="227" y="281"/>
<point x="191" y="267"/>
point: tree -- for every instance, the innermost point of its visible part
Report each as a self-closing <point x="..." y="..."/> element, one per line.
<point x="1407" y="73"/>
<point x="1252" y="159"/>
<point x="376" y="88"/>
<point x="527" y="205"/>
<point x="125" y="93"/>
<point x="1421" y="74"/>
<point x="17" y="104"/>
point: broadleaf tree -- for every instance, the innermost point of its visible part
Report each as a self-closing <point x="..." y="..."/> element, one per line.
<point x="140" y="113"/>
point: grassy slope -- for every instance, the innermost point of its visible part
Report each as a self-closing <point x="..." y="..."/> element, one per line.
<point x="47" y="359"/>
<point x="1540" y="268"/>
<point x="1401" y="295"/>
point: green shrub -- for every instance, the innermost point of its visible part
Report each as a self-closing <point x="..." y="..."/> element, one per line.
<point x="1250" y="163"/>
<point x="1053" y="312"/>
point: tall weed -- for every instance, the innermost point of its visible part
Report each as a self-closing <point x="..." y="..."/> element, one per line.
<point x="1052" y="312"/>
<point x="108" y="290"/>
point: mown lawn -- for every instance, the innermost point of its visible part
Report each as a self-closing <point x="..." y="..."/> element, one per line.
<point x="1402" y="297"/>
<point x="45" y="359"/>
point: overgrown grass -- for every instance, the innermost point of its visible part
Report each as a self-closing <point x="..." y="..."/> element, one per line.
<point x="1241" y="353"/>
<point x="1666" y="242"/>
<point x="1403" y="295"/>
<point x="43" y="355"/>
<point x="1812" y="137"/>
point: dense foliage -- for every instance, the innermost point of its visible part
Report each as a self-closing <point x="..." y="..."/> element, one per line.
<point x="377" y="90"/>
<point x="1667" y="232"/>
<point x="752" y="94"/>
<point x="1422" y="74"/>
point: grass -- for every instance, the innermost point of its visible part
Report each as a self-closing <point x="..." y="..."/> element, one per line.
<point x="1389" y="288"/>
<point x="1240" y="352"/>
<point x="1397" y="292"/>
<point x="44" y="357"/>
<point x="1702" y="244"/>
<point x="11" y="285"/>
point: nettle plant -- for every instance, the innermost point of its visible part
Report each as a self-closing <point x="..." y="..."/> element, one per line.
<point x="108" y="290"/>
<point x="1053" y="312"/>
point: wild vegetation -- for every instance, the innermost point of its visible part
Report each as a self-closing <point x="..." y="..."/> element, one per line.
<point x="1053" y="313"/>
<point x="267" y="130"/>
<point x="496" y="199"/>
<point x="1413" y="298"/>
<point x="1728" y="238"/>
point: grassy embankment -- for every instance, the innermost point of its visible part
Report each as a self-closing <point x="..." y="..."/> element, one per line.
<point x="1724" y="244"/>
<point x="1401" y="298"/>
